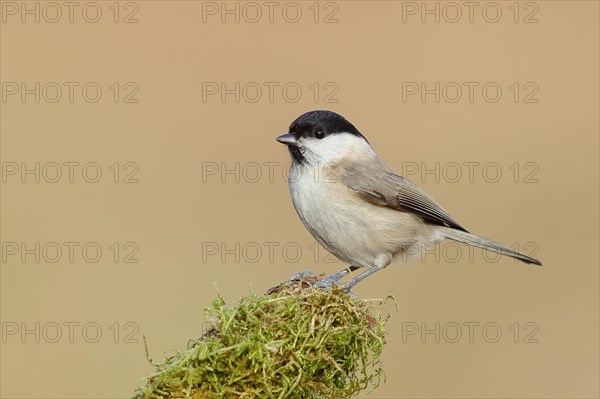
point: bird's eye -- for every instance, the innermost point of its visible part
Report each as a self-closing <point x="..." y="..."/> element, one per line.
<point x="319" y="134"/>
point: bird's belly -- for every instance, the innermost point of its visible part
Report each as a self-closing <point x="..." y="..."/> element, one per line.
<point x="354" y="230"/>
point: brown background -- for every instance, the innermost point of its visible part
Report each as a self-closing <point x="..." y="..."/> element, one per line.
<point x="172" y="135"/>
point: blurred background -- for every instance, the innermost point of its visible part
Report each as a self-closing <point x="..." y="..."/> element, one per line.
<point x="140" y="173"/>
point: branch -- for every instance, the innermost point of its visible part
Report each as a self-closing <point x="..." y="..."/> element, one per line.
<point x="296" y="341"/>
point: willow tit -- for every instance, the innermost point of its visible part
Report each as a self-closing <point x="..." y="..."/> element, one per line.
<point x="354" y="204"/>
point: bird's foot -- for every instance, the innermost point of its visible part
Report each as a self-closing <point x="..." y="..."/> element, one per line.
<point x="325" y="283"/>
<point x="329" y="282"/>
<point x="303" y="275"/>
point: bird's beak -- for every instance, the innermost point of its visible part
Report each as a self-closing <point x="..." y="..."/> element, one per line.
<point x="287" y="139"/>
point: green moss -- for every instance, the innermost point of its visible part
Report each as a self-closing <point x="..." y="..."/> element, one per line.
<point x="294" y="342"/>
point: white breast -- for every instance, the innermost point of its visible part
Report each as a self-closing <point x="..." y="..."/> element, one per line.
<point x="355" y="231"/>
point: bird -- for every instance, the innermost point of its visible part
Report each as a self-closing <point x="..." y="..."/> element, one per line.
<point x="357" y="207"/>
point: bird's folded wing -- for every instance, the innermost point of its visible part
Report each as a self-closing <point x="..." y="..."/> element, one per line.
<point x="377" y="183"/>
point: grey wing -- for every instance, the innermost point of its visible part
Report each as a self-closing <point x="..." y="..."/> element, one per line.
<point x="378" y="184"/>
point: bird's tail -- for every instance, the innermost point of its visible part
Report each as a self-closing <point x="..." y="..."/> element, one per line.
<point x="480" y="242"/>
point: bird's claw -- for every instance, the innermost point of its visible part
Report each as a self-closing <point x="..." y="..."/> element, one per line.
<point x="328" y="283"/>
<point x="302" y="275"/>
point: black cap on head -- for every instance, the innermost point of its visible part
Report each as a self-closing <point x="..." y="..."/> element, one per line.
<point x="320" y="124"/>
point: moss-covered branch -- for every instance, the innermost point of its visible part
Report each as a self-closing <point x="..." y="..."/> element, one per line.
<point x="294" y="342"/>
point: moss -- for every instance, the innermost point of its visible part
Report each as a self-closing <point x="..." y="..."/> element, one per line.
<point x="294" y="342"/>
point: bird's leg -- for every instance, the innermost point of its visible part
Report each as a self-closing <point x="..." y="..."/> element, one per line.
<point x="363" y="276"/>
<point x="329" y="281"/>
<point x="337" y="276"/>
<point x="381" y="263"/>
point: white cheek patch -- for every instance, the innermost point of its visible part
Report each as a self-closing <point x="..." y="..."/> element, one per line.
<point x="333" y="147"/>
